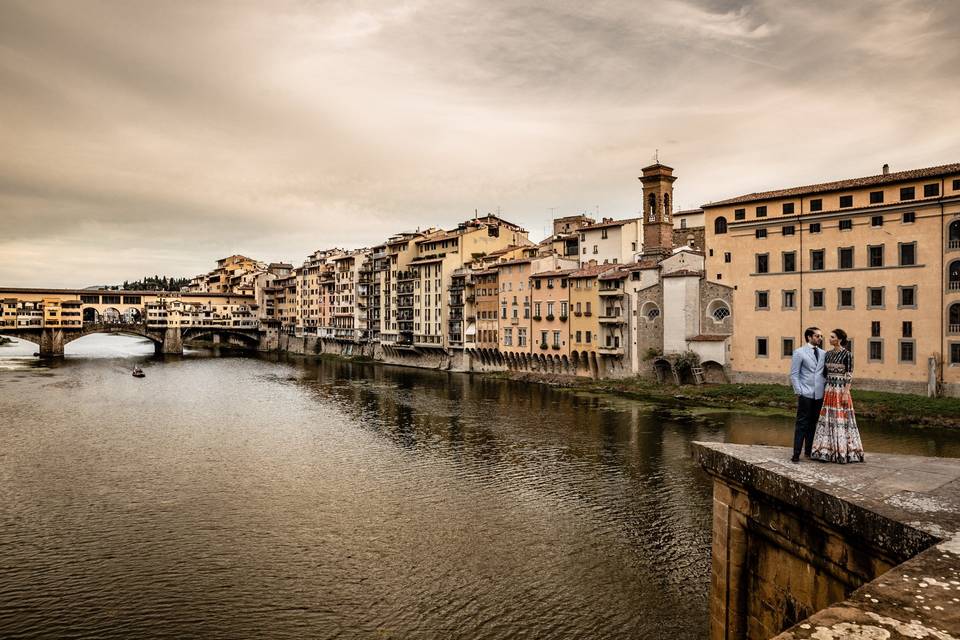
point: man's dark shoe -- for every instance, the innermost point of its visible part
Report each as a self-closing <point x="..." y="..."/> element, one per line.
<point x="795" y="459"/>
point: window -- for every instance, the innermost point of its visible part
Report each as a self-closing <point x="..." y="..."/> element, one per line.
<point x="761" y="347"/>
<point x="563" y="310"/>
<point x="814" y="227"/>
<point x="727" y="257"/>
<point x="955" y="346"/>
<point x="846" y="225"/>
<point x="589" y="336"/>
<point x="786" y="350"/>
<point x="875" y="297"/>
<point x="536" y="310"/>
<point x="720" y="225"/>
<point x="931" y="190"/>
<point x="543" y="338"/>
<point x="907" y="329"/>
<point x="763" y="299"/>
<point x="909" y="217"/>
<point x="790" y="299"/>
<point x="88" y="299"/>
<point x="763" y="263"/>
<point x="762" y="211"/>
<point x="721" y="312"/>
<point x="816" y="299"/>
<point x="578" y="336"/>
<point x="556" y="338"/>
<point x="816" y="259"/>
<point x="739" y="214"/>
<point x="908" y="254"/>
<point x="111" y="299"/>
<point x="789" y="230"/>
<point x="908" y="297"/>
<point x="845" y="298"/>
<point x="876" y="197"/>
<point x="846" y="202"/>
<point x="875" y="256"/>
<point x="789" y="261"/>
<point x="845" y="257"/>
<point x="875" y="351"/>
<point x="508" y="337"/>
<point x="908" y="351"/>
<point x="761" y="233"/>
<point x="907" y="193"/>
<point x="875" y="329"/>
<point x="816" y="204"/>
<point x="956" y="185"/>
<point x="603" y="234"/>
<point x="787" y="208"/>
<point x="876" y="221"/>
<point x="594" y="249"/>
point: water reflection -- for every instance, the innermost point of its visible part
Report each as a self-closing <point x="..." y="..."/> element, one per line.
<point x="233" y="497"/>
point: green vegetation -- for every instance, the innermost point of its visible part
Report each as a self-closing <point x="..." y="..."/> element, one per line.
<point x="899" y="408"/>
<point x="5" y="340"/>
<point x="155" y="283"/>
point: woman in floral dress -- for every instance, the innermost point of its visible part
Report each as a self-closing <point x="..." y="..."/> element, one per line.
<point x="837" y="438"/>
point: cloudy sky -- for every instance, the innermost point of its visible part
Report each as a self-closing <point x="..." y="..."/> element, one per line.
<point x="155" y="137"/>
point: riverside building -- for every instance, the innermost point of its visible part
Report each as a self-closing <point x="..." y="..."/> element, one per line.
<point x="878" y="256"/>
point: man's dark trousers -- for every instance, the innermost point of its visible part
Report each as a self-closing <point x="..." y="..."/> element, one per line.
<point x="808" y="412"/>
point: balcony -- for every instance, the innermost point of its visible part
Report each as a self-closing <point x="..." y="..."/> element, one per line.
<point x="611" y="319"/>
<point x="610" y="350"/>
<point x="611" y="292"/>
<point x="953" y="329"/>
<point x="953" y="285"/>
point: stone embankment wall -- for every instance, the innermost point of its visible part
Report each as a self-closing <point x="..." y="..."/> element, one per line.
<point x="829" y="551"/>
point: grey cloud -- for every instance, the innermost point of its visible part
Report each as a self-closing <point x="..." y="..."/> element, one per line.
<point x="186" y="131"/>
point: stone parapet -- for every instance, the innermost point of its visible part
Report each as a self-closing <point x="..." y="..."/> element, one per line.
<point x="816" y="550"/>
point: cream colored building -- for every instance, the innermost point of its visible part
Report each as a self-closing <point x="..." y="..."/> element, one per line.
<point x="877" y="256"/>
<point x="611" y="241"/>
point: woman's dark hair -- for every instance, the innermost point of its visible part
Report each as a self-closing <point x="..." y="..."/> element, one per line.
<point x="842" y="336"/>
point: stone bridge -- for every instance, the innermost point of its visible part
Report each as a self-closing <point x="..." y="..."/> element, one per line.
<point x="165" y="340"/>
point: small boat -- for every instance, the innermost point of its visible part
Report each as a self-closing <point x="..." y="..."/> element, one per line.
<point x="138" y="373"/>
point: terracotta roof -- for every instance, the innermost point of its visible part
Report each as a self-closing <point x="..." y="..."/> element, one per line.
<point x="610" y="223"/>
<point x="707" y="338"/>
<point x="686" y="212"/>
<point x="839" y="185"/>
<point x="552" y="274"/>
<point x="500" y="252"/>
<point x="641" y="265"/>
<point x="514" y="261"/>
<point x="438" y="238"/>
<point x="592" y="271"/>
<point x="682" y="273"/>
<point x="614" y="274"/>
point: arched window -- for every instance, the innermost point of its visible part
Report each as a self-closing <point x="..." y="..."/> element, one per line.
<point x="720" y="225"/>
<point x="955" y="317"/>
<point x="955" y="234"/>
<point x="954" y="275"/>
<point x="718" y="310"/>
<point x="650" y="311"/>
<point x="652" y="215"/>
<point x="666" y="206"/>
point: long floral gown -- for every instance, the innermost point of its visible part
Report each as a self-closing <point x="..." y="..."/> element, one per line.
<point x="837" y="438"/>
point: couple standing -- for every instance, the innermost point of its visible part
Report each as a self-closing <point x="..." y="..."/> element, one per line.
<point x="826" y="424"/>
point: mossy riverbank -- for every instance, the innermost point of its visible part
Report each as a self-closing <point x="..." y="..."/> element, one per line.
<point x="897" y="408"/>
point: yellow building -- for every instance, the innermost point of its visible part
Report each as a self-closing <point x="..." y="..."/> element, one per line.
<point x="877" y="256"/>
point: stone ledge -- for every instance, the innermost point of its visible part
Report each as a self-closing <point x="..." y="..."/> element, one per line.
<point x="909" y="506"/>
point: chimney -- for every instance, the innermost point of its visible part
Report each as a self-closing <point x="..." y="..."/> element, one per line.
<point x="886" y="169"/>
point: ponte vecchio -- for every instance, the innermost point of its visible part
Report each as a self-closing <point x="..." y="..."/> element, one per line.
<point x="54" y="317"/>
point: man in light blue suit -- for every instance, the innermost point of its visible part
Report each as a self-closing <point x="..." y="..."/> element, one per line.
<point x="806" y="376"/>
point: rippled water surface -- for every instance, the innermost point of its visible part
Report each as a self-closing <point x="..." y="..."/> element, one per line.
<point x="229" y="497"/>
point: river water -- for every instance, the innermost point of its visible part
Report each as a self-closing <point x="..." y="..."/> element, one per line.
<point x="237" y="497"/>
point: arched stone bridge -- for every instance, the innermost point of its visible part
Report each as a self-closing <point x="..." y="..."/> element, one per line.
<point x="165" y="340"/>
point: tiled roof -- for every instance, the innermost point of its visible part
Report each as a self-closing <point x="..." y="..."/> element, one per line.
<point x="686" y="212"/>
<point x="707" y="338"/>
<point x="552" y="274"/>
<point x="610" y="223"/>
<point x="514" y="261"/>
<point x="683" y="273"/>
<point x="614" y="274"/>
<point x="592" y="271"/>
<point x="641" y="265"/>
<point x="839" y="185"/>
<point x="438" y="238"/>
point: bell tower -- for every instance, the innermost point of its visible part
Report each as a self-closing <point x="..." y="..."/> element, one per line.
<point x="657" y="182"/>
